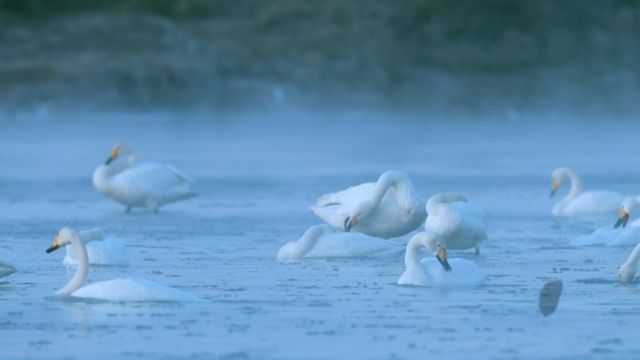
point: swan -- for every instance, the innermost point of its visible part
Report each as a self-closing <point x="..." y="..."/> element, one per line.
<point x="323" y="241"/>
<point x="144" y="184"/>
<point x="623" y="233"/>
<point x="7" y="266"/>
<point x="627" y="271"/>
<point x="460" y="224"/>
<point x="128" y="289"/>
<point x="387" y="208"/>
<point x="102" y="250"/>
<point x="440" y="271"/>
<point x="578" y="202"/>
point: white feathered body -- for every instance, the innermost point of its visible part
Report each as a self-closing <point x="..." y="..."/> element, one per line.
<point x="464" y="273"/>
<point x="589" y="203"/>
<point x="399" y="211"/>
<point x="132" y="289"/>
<point x="461" y="225"/>
<point x="145" y="184"/>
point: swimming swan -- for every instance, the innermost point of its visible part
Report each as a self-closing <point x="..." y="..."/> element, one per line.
<point x="323" y="241"/>
<point x="627" y="271"/>
<point x="129" y="289"/>
<point x="438" y="271"/>
<point x="460" y="224"/>
<point x="145" y="184"/>
<point x="6" y="264"/>
<point x="387" y="208"/>
<point x="622" y="233"/>
<point x="578" y="202"/>
<point x="102" y="250"/>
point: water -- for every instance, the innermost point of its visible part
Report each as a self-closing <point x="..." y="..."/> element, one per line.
<point x="257" y="176"/>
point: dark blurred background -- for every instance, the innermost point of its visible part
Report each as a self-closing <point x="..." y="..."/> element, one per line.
<point x="464" y="56"/>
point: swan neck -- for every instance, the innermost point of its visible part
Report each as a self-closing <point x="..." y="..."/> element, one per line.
<point x="412" y="254"/>
<point x="79" y="278"/>
<point x="632" y="261"/>
<point x="401" y="184"/>
<point x="308" y="240"/>
<point x="576" y="185"/>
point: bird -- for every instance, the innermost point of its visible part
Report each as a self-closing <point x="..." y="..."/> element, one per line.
<point x="125" y="289"/>
<point x="388" y="208"/>
<point x="438" y="271"/>
<point x="102" y="250"/>
<point x="627" y="271"/>
<point x="623" y="232"/>
<point x="323" y="241"/>
<point x="140" y="184"/>
<point x="460" y="224"/>
<point x="578" y="202"/>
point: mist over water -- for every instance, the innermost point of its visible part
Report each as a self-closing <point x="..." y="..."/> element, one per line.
<point x="269" y="105"/>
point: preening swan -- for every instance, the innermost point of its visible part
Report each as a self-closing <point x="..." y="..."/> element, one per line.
<point x="459" y="224"/>
<point x="579" y="202"/>
<point x="145" y="184"/>
<point x="323" y="241"/>
<point x="438" y="271"/>
<point x="7" y="266"/>
<point x="387" y="208"/>
<point x="102" y="250"/>
<point x="627" y="271"/>
<point x="129" y="289"/>
<point x="623" y="233"/>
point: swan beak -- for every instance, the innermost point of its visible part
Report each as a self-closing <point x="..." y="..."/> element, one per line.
<point x="442" y="258"/>
<point x="350" y="222"/>
<point x="55" y="245"/>
<point x="622" y="220"/>
<point x="114" y="155"/>
<point x="554" y="188"/>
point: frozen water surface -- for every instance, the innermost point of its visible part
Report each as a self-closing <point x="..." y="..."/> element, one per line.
<point x="256" y="179"/>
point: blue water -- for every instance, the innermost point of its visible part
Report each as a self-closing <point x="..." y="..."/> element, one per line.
<point x="257" y="176"/>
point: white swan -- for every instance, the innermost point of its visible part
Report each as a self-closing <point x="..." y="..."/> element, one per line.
<point x="129" y="289"/>
<point x="387" y="208"/>
<point x="323" y="241"/>
<point x="145" y="184"/>
<point x="621" y="234"/>
<point x="578" y="202"/>
<point x="627" y="271"/>
<point x="437" y="271"/>
<point x="102" y="250"/>
<point x="7" y="266"/>
<point x="460" y="224"/>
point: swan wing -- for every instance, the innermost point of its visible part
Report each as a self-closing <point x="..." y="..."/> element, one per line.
<point x="132" y="289"/>
<point x="595" y="202"/>
<point x="334" y="208"/>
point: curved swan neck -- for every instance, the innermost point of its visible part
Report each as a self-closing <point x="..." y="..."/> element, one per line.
<point x="308" y="240"/>
<point x="412" y="254"/>
<point x="82" y="271"/>
<point x="632" y="262"/>
<point x="389" y="179"/>
<point x="434" y="203"/>
<point x="576" y="183"/>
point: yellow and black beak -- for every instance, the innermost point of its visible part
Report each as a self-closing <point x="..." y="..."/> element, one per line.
<point x="55" y="245"/>
<point x="114" y="155"/>
<point x="554" y="188"/>
<point x="442" y="258"/>
<point x="350" y="222"/>
<point x="622" y="219"/>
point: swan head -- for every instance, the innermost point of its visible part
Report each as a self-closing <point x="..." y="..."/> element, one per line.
<point x="442" y="257"/>
<point x="63" y="238"/>
<point x="626" y="208"/>
<point x="360" y="212"/>
<point x="121" y="150"/>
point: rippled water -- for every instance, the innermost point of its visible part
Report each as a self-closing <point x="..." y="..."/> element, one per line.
<point x="256" y="179"/>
